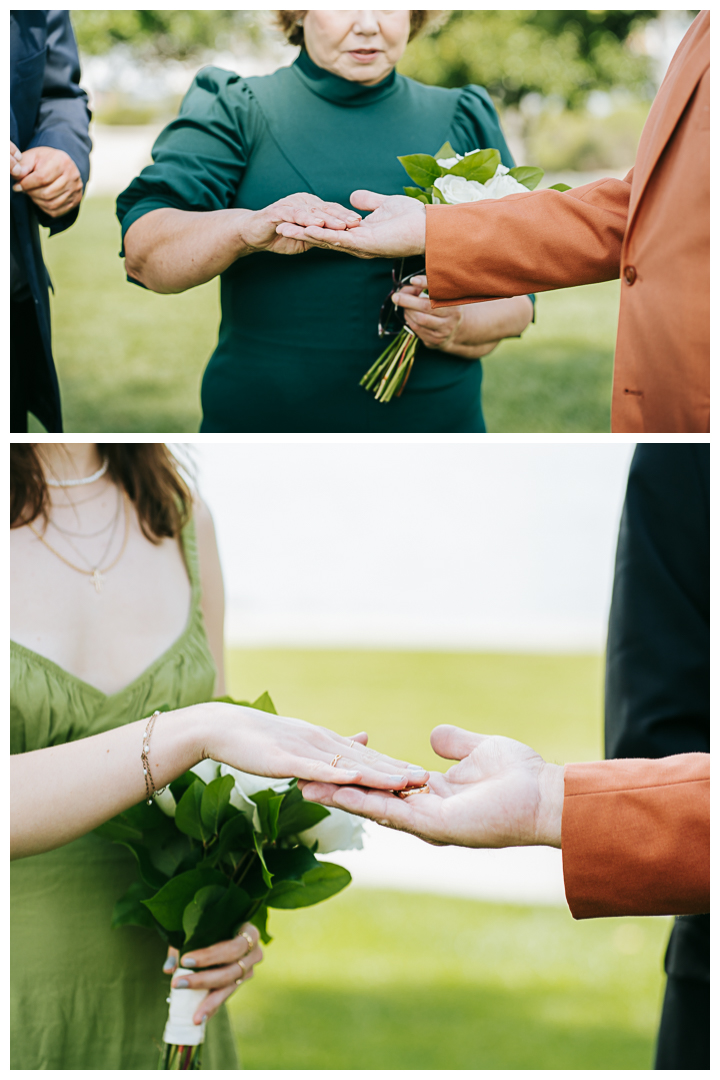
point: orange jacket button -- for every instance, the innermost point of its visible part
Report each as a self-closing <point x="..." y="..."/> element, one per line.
<point x="630" y="273"/>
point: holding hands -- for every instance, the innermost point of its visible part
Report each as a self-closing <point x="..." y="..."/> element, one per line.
<point x="396" y="227"/>
<point x="501" y="794"/>
<point x="50" y="177"/>
<point x="259" y="230"/>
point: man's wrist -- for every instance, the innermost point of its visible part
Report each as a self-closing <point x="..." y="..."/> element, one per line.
<point x="551" y="784"/>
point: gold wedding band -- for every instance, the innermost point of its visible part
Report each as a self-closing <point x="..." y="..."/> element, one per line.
<point x="334" y="761"/>
<point x="244" y="972"/>
<point x="424" y="790"/>
<point x="250" y="942"/>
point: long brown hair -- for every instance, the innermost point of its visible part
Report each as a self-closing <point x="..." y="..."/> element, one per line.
<point x="148" y="472"/>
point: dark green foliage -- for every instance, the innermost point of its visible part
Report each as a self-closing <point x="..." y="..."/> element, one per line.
<point x="565" y="54"/>
<point x="208" y="870"/>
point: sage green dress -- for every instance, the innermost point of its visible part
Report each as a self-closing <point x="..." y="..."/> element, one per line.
<point x="85" y="996"/>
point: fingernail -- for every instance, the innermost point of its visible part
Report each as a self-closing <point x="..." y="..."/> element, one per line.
<point x="416" y="768"/>
<point x="395" y="297"/>
<point x="181" y="984"/>
<point x="396" y="779"/>
<point x="169" y="964"/>
<point x="189" y="961"/>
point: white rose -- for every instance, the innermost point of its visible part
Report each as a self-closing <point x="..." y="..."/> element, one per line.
<point x="456" y="189"/>
<point x="339" y="832"/>
<point x="448" y="162"/>
<point x="207" y="770"/>
<point x="166" y="801"/>
<point x="500" y="186"/>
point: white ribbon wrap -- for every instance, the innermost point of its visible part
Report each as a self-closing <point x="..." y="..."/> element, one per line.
<point x="180" y="1030"/>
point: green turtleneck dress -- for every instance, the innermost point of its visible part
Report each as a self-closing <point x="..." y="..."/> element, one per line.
<point x="297" y="333"/>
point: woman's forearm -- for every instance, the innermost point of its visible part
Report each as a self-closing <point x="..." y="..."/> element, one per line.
<point x="62" y="792"/>
<point x="171" y="250"/>
<point x="484" y="325"/>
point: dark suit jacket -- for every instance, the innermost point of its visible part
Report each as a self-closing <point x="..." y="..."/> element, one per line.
<point x="657" y="693"/>
<point x="47" y="108"/>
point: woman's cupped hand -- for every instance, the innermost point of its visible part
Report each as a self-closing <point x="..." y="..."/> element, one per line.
<point x="222" y="969"/>
<point x="258" y="227"/>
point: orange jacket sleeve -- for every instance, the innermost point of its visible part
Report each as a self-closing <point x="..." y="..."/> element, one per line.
<point x="636" y="837"/>
<point x="526" y="243"/>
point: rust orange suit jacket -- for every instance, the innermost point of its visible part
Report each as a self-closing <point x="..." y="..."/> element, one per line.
<point x="636" y="836"/>
<point x="651" y="229"/>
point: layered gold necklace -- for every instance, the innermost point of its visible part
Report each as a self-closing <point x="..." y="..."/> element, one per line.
<point x="95" y="573"/>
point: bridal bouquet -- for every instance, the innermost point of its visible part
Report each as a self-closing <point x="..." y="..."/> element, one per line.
<point x="447" y="178"/>
<point x="219" y="848"/>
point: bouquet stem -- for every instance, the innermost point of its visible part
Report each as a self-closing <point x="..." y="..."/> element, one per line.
<point x="389" y="374"/>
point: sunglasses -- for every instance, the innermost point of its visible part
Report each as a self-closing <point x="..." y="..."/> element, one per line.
<point x="392" y="317"/>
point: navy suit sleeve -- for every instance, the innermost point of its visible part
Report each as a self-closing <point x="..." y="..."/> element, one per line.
<point x="657" y="692"/>
<point x="63" y="116"/>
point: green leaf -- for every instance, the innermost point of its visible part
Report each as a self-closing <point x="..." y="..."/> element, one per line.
<point x="188" y="816"/>
<point x="559" y="187"/>
<point x="129" y="910"/>
<point x="118" y="830"/>
<point x="527" y="175"/>
<point x="268" y="803"/>
<point x="445" y="151"/>
<point x="168" y="855"/>
<point x="235" y="835"/>
<point x="421" y="168"/>
<point x="266" y="875"/>
<point x="222" y="912"/>
<point x="480" y="166"/>
<point x="417" y="193"/>
<point x="317" y="884"/>
<point x="169" y="903"/>
<point x="215" y="800"/>
<point x="259" y="921"/>
<point x="179" y="786"/>
<point x="300" y="817"/>
<point x="264" y="703"/>
<point x="439" y="195"/>
<point x="149" y="873"/>
<point x="203" y="899"/>
<point x="290" y="864"/>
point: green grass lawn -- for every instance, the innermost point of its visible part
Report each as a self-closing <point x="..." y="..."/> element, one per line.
<point x="378" y="979"/>
<point x="130" y="360"/>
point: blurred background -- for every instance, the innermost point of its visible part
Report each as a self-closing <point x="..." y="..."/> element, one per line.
<point x="573" y="89"/>
<point x="392" y="587"/>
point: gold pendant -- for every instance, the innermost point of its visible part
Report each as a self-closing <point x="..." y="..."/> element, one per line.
<point x="97" y="580"/>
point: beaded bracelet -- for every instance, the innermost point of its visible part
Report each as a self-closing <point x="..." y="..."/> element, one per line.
<point x="149" y="783"/>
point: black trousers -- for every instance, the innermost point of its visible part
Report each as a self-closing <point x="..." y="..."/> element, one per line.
<point x="684" y="1036"/>
<point x="31" y="384"/>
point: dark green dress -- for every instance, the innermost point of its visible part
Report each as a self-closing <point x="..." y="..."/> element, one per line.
<point x="298" y="332"/>
<point x="82" y="995"/>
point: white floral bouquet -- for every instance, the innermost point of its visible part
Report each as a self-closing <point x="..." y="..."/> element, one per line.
<point x="447" y="178"/>
<point x="216" y="849"/>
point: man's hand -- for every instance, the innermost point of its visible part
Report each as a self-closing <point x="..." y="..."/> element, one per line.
<point x="394" y="229"/>
<point x="501" y="794"/>
<point x="50" y="177"/>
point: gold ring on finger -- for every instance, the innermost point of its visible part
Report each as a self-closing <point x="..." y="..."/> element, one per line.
<point x="244" y="972"/>
<point x="334" y="761"/>
<point x="250" y="942"/>
<point x="352" y="743"/>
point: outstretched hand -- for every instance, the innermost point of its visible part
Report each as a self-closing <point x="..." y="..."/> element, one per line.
<point x="395" y="228"/>
<point x="501" y="794"/>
